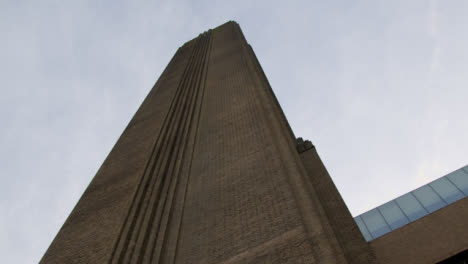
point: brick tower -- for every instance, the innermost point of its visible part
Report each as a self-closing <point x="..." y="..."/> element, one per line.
<point x="209" y="171"/>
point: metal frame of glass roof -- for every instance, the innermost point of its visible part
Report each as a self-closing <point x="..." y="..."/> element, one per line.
<point x="414" y="205"/>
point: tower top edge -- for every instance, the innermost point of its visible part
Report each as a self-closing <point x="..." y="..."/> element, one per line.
<point x="226" y="24"/>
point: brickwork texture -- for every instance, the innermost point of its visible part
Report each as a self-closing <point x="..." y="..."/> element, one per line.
<point x="207" y="171"/>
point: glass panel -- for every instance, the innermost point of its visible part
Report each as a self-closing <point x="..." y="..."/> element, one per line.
<point x="411" y="206"/>
<point x="429" y="199"/>
<point x="446" y="190"/>
<point x="375" y="223"/>
<point x="363" y="228"/>
<point x="393" y="215"/>
<point x="465" y="168"/>
<point x="460" y="179"/>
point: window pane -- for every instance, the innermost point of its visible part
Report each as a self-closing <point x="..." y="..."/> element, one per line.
<point x="393" y="214"/>
<point x="411" y="206"/>
<point x="465" y="168"/>
<point x="363" y="228"/>
<point x="460" y="179"/>
<point x="429" y="199"/>
<point x="446" y="190"/>
<point x="375" y="223"/>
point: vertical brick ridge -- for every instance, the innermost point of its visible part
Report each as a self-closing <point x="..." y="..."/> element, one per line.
<point x="326" y="248"/>
<point x="165" y="205"/>
<point x="120" y="246"/>
<point x="160" y="173"/>
<point x="140" y="236"/>
<point x="198" y="86"/>
<point x="92" y="229"/>
<point x="171" y="237"/>
<point x="134" y="210"/>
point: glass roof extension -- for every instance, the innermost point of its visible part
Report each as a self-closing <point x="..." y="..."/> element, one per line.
<point x="414" y="205"/>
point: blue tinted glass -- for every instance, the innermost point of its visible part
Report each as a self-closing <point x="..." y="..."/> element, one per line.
<point x="460" y="179"/>
<point x="393" y="215"/>
<point x="465" y="168"/>
<point x="428" y="198"/>
<point x="375" y="223"/>
<point x="363" y="228"/>
<point x="411" y="206"/>
<point x="446" y="190"/>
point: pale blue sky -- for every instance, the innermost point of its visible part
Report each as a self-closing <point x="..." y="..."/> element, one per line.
<point x="380" y="87"/>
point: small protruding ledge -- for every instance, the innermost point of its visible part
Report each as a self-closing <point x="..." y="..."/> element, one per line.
<point x="303" y="145"/>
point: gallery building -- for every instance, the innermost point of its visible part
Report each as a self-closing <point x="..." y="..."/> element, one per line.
<point x="209" y="171"/>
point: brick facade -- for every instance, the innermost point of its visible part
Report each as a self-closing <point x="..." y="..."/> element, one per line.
<point x="207" y="171"/>
<point x="431" y="239"/>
